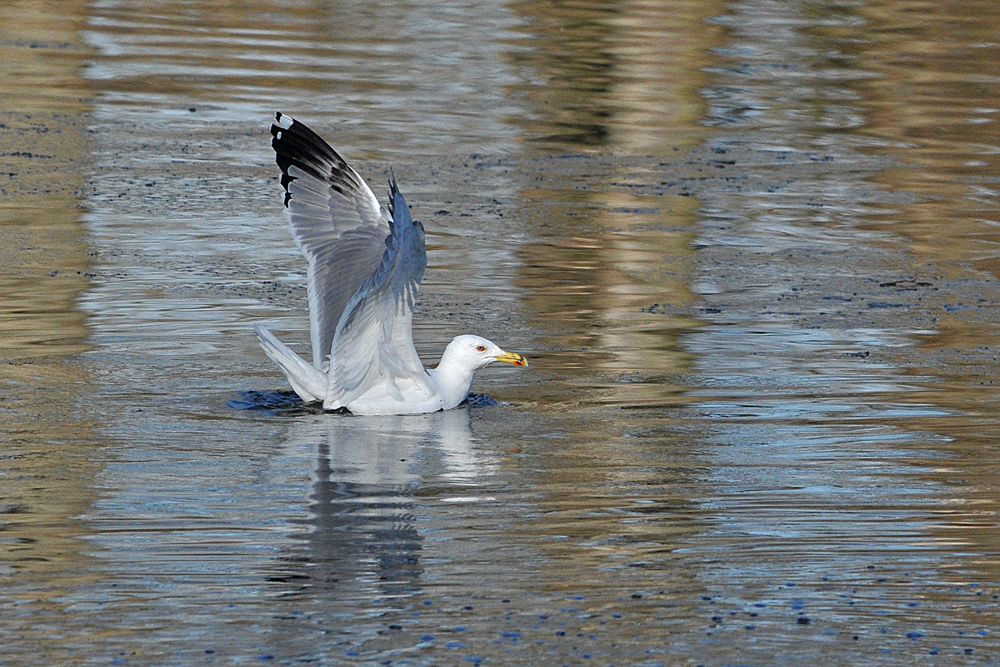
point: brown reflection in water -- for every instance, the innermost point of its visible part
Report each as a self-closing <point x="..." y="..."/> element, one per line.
<point x="606" y="271"/>
<point x="46" y="476"/>
<point x="934" y="107"/>
<point x="933" y="104"/>
<point x="623" y="78"/>
<point x="930" y="102"/>
<point x="616" y="76"/>
<point x="568" y="51"/>
<point x="602" y="279"/>
<point x="152" y="49"/>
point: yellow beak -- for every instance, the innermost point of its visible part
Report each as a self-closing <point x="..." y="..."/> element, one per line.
<point x="512" y="358"/>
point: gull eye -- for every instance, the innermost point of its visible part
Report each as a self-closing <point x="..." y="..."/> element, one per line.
<point x="480" y="348"/>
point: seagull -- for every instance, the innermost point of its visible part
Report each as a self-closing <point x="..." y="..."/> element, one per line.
<point x="365" y="266"/>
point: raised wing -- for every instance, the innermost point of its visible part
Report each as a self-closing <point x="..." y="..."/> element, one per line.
<point x="373" y="346"/>
<point x="336" y="221"/>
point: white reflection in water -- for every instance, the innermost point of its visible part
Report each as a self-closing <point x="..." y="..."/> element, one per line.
<point x="362" y="539"/>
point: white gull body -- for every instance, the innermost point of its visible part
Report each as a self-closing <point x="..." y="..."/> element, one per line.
<point x="365" y="267"/>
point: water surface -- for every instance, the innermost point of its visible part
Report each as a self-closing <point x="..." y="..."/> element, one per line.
<point x="749" y="248"/>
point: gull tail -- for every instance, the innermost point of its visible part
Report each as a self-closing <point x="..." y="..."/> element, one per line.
<point x="307" y="381"/>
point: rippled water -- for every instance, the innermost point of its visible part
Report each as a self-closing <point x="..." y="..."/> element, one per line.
<point x="749" y="248"/>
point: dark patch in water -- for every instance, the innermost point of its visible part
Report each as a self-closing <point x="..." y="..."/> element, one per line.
<point x="480" y="401"/>
<point x="274" y="402"/>
<point x="288" y="402"/>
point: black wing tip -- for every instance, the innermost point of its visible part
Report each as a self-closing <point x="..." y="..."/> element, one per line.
<point x="294" y="142"/>
<point x="281" y="123"/>
<point x="284" y="120"/>
<point x="393" y="191"/>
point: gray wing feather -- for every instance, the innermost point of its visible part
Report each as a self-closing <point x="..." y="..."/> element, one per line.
<point x="336" y="221"/>
<point x="374" y="340"/>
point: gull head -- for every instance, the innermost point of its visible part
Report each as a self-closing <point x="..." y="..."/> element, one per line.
<point x="475" y="352"/>
<point x="461" y="359"/>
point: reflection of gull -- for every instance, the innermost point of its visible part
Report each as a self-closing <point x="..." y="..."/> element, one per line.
<point x="382" y="451"/>
<point x="365" y="267"/>
<point x="362" y="538"/>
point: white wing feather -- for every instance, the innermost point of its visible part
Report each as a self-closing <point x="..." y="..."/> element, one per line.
<point x="373" y="346"/>
<point x="336" y="221"/>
